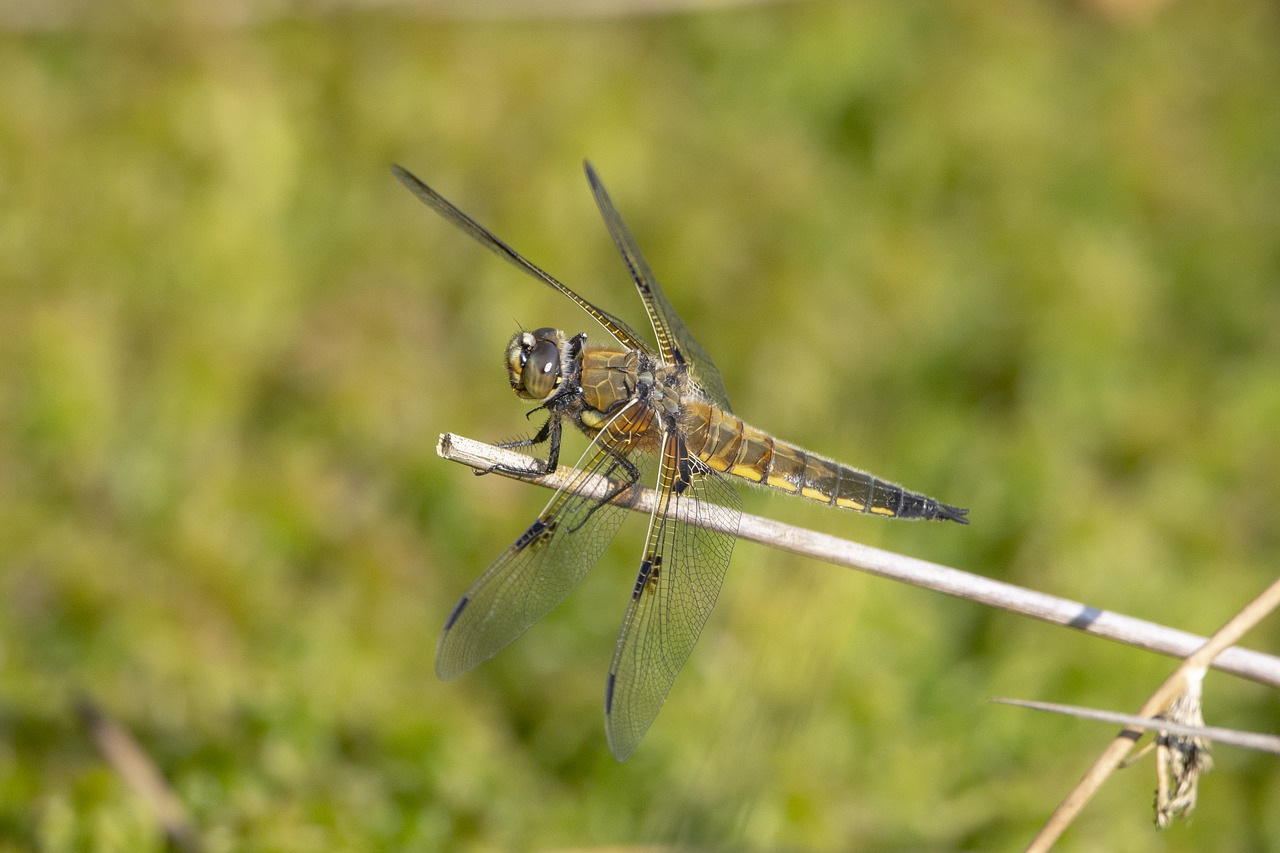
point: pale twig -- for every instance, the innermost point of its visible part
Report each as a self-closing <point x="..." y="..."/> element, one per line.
<point x="140" y="773"/>
<point x="1188" y="675"/>
<point x="1233" y="737"/>
<point x="1059" y="611"/>
<point x="562" y="9"/>
<point x="40" y="15"/>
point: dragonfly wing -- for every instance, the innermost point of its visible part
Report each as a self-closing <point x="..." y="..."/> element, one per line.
<point x="432" y="199"/>
<point x="546" y="562"/>
<point x="676" y="343"/>
<point x="680" y="576"/>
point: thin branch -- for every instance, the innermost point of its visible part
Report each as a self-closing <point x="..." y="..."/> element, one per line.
<point x="1059" y="611"/>
<point x="140" y="773"/>
<point x="52" y="15"/>
<point x="563" y="9"/>
<point x="1188" y="674"/>
<point x="1233" y="737"/>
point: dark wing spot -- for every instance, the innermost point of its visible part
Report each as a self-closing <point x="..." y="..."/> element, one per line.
<point x="608" y="693"/>
<point x="646" y="566"/>
<point x="686" y="475"/>
<point x="457" y="611"/>
<point x="535" y="530"/>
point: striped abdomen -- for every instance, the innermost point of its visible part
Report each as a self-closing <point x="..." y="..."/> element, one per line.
<point x="727" y="444"/>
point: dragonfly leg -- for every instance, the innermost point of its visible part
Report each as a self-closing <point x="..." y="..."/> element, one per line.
<point x="631" y="476"/>
<point x="549" y="434"/>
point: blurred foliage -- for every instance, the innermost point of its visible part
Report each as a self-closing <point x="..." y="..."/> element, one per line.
<point x="1021" y="256"/>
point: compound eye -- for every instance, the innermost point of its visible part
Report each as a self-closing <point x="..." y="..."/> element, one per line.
<point x="540" y="370"/>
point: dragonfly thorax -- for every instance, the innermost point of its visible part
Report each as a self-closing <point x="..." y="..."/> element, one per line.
<point x="536" y="362"/>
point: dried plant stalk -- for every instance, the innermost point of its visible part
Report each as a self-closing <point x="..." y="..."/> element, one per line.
<point x="1189" y="673"/>
<point x="841" y="552"/>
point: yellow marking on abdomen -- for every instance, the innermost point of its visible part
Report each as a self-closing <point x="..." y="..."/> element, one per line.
<point x="879" y="510"/>
<point x="849" y="503"/>
<point x="719" y="463"/>
<point x="783" y="483"/>
<point x="815" y="494"/>
<point x="747" y="472"/>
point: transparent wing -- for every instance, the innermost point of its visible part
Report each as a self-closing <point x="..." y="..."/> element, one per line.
<point x="680" y="576"/>
<point x="621" y="331"/>
<point x="547" y="561"/>
<point x="676" y="343"/>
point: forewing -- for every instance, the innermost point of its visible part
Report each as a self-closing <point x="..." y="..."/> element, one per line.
<point x="542" y="566"/>
<point x="432" y="199"/>
<point x="680" y="576"/>
<point x="676" y="343"/>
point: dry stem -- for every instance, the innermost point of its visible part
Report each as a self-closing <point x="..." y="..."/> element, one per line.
<point x="841" y="552"/>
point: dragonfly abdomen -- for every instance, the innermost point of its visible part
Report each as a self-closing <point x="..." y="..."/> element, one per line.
<point x="727" y="444"/>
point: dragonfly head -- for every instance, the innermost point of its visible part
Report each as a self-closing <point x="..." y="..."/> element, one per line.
<point x="533" y="363"/>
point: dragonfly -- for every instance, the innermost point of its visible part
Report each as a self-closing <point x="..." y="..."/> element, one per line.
<point x="655" y="414"/>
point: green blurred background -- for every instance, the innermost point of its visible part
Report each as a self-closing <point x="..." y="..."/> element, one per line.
<point x="1022" y="256"/>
